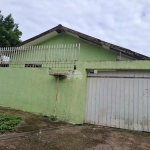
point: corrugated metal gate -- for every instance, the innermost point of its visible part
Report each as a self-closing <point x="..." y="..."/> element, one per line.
<point x="119" y="99"/>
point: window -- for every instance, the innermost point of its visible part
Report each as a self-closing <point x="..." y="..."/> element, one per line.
<point x="4" y="65"/>
<point x="33" y="65"/>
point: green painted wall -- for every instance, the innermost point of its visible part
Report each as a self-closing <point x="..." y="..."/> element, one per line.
<point x="118" y="65"/>
<point x="34" y="90"/>
<point x="88" y="51"/>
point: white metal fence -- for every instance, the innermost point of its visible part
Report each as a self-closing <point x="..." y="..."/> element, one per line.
<point x="51" y="55"/>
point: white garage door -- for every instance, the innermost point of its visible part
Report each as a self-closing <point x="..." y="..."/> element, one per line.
<point x="119" y="99"/>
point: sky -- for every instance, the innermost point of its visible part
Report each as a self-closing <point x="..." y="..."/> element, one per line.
<point x="125" y="23"/>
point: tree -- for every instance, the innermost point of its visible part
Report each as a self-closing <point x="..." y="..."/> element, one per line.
<point x="9" y="32"/>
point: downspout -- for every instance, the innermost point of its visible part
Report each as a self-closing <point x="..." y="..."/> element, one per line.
<point x="57" y="84"/>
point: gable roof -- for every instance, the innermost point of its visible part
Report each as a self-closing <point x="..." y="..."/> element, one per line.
<point x="60" y="29"/>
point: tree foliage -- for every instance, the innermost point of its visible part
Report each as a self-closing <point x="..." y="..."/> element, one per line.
<point x="9" y="32"/>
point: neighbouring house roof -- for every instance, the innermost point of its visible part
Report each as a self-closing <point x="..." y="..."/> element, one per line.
<point x="61" y="29"/>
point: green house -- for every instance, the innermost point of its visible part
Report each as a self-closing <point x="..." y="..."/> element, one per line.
<point x="78" y="78"/>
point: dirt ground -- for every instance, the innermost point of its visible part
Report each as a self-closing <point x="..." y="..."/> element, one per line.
<point x="31" y="122"/>
<point x="66" y="137"/>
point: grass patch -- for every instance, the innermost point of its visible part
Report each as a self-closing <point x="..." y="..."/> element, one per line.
<point x="94" y="126"/>
<point x="8" y="123"/>
<point x="53" y="118"/>
<point x="138" y="133"/>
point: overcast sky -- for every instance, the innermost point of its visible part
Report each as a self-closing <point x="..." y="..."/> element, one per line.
<point x="122" y="22"/>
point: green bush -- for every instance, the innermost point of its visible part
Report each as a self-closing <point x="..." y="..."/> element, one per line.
<point x="8" y="123"/>
<point x="53" y="118"/>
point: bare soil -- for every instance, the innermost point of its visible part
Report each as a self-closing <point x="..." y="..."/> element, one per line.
<point x="86" y="137"/>
<point x="31" y="122"/>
